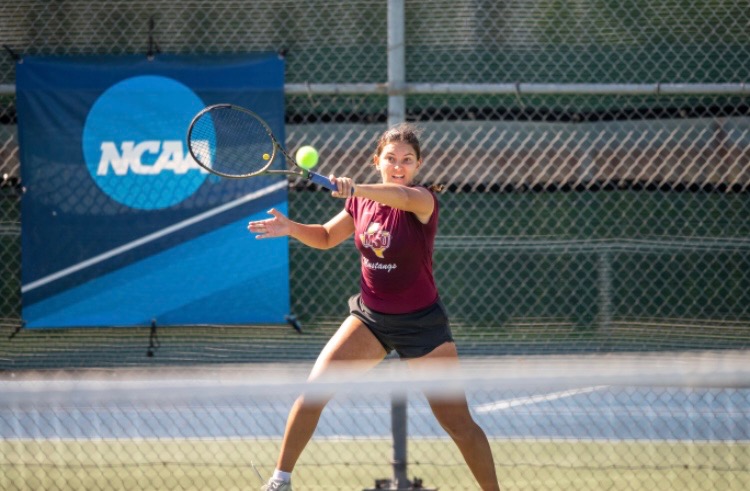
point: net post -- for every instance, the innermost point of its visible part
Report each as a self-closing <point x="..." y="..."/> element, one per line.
<point x="399" y="432"/>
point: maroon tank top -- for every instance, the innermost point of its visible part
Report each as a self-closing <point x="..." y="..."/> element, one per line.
<point x="396" y="256"/>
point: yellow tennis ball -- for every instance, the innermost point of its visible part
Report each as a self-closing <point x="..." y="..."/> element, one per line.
<point x="306" y="157"/>
<point x="266" y="156"/>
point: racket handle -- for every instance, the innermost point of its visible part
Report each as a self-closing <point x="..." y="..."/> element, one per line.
<point x="322" y="180"/>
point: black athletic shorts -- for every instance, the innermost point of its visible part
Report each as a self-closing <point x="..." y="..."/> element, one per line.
<point x="411" y="335"/>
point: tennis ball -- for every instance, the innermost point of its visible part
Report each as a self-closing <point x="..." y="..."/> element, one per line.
<point x="266" y="156"/>
<point x="306" y="157"/>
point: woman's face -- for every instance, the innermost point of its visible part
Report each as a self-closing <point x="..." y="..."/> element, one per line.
<point x="397" y="163"/>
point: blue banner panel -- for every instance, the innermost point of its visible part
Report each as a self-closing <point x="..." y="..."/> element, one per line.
<point x="121" y="226"/>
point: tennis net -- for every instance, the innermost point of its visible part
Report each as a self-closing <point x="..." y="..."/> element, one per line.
<point x="625" y="421"/>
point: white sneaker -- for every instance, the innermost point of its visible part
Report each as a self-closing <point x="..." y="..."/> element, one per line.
<point x="274" y="485"/>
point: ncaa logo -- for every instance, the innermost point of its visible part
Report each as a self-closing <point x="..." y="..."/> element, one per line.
<point x="133" y="142"/>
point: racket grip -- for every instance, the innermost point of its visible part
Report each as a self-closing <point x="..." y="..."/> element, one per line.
<point x="322" y="180"/>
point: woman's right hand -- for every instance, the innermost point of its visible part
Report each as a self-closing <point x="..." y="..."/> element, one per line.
<point x="344" y="185"/>
<point x="278" y="226"/>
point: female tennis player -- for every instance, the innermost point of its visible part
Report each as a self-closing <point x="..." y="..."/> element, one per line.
<point x="398" y="308"/>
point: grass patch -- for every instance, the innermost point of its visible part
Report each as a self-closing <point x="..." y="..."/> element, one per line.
<point x="354" y="464"/>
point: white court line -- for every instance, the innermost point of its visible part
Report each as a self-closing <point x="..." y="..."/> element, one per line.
<point x="523" y="401"/>
<point x="151" y="237"/>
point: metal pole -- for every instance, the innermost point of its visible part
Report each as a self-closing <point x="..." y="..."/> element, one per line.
<point x="396" y="115"/>
<point x="605" y="289"/>
<point x="399" y="431"/>
<point x="521" y="88"/>
<point x="396" y="63"/>
<point x="399" y="90"/>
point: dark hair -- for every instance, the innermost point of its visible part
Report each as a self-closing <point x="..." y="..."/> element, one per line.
<point x="403" y="132"/>
<point x="406" y="133"/>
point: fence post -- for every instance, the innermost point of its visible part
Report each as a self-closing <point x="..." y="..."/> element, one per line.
<point x="396" y="63"/>
<point x="396" y="115"/>
<point x="604" y="258"/>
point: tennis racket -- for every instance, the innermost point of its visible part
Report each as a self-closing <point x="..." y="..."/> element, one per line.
<point x="231" y="141"/>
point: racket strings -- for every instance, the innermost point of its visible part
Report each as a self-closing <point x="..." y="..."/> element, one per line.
<point x="231" y="142"/>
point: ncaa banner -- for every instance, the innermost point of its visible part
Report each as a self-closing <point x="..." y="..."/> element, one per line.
<point x="120" y="226"/>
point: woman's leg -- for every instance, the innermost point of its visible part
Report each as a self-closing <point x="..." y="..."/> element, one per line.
<point x="353" y="342"/>
<point x="452" y="412"/>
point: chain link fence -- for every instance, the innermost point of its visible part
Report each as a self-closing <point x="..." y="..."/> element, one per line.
<point x="596" y="158"/>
